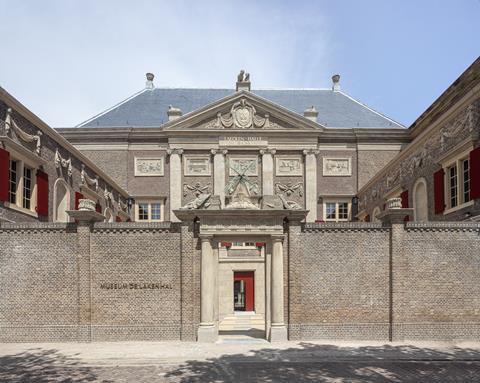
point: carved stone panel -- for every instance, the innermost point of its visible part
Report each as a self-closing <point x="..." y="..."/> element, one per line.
<point x="197" y="166"/>
<point x="149" y="167"/>
<point x="288" y="166"/>
<point x="337" y="166"/>
<point x="243" y="165"/>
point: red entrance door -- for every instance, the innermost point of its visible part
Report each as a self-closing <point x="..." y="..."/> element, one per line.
<point x="243" y="291"/>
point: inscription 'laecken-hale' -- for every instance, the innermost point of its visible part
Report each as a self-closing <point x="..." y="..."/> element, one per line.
<point x="136" y="286"/>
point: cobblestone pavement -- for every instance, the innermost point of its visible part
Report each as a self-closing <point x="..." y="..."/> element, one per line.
<point x="242" y="362"/>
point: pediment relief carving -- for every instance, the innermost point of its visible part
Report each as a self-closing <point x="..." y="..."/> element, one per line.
<point x="242" y="115"/>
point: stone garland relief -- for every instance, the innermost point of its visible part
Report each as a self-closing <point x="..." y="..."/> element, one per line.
<point x="148" y="167"/>
<point x="337" y="166"/>
<point x="449" y="135"/>
<point x="288" y="166"/>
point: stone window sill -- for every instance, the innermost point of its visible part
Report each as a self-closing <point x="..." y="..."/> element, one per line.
<point x="459" y="207"/>
<point x="20" y="209"/>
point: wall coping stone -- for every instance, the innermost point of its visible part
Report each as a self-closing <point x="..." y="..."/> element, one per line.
<point x="442" y="226"/>
<point x="38" y="227"/>
<point x="166" y="227"/>
<point x="343" y="226"/>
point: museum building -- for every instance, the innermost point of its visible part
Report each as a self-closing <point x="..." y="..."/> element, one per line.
<point x="298" y="207"/>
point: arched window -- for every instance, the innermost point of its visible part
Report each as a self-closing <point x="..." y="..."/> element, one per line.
<point x="108" y="215"/>
<point x="61" y="202"/>
<point x="420" y="200"/>
<point x="375" y="212"/>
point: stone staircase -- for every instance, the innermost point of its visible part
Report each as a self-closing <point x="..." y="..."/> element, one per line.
<point x="242" y="327"/>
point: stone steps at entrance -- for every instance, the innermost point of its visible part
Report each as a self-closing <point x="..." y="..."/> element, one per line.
<point x="242" y="327"/>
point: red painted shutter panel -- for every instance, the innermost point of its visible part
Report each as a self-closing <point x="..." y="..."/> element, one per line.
<point x="438" y="189"/>
<point x="78" y="197"/>
<point x="367" y="218"/>
<point x="42" y="193"/>
<point x="4" y="174"/>
<point x="118" y="219"/>
<point x="475" y="173"/>
<point x="98" y="208"/>
<point x="404" y="197"/>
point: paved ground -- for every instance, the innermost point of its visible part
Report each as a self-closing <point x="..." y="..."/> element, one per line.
<point x="239" y="362"/>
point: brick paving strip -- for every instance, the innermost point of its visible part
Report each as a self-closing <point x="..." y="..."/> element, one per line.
<point x="242" y="362"/>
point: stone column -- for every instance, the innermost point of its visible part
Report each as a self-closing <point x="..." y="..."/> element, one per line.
<point x="267" y="171"/>
<point x="219" y="174"/>
<point x="311" y="184"/>
<point x="278" y="331"/>
<point x="206" y="330"/>
<point x="175" y="181"/>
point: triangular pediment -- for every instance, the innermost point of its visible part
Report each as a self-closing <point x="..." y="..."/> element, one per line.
<point x="242" y="111"/>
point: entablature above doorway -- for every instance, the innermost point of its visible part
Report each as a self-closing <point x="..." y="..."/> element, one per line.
<point x="241" y="221"/>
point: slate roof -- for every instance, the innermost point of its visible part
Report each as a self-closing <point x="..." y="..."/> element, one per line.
<point x="148" y="107"/>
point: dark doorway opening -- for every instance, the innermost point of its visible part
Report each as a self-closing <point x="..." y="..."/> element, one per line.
<point x="243" y="291"/>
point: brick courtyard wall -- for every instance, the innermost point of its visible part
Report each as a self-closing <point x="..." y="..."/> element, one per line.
<point x="405" y="282"/>
<point x="436" y="282"/>
<point x="38" y="283"/>
<point x="345" y="282"/>
<point x="109" y="282"/>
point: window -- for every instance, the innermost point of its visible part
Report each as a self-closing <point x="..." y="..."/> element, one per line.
<point x="457" y="185"/>
<point x="12" y="194"/>
<point x="243" y="245"/>
<point x="27" y="188"/>
<point x="22" y="185"/>
<point x="336" y="211"/>
<point x="466" y="180"/>
<point x="150" y="211"/>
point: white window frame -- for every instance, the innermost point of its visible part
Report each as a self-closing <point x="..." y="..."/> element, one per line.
<point x="150" y="202"/>
<point x="337" y="201"/>
<point x="23" y="162"/>
<point x="457" y="162"/>
<point x="243" y="245"/>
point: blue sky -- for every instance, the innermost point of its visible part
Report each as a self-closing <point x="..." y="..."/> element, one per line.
<point x="68" y="60"/>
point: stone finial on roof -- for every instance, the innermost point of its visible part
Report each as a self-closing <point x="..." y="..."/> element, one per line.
<point x="336" y="82"/>
<point x="243" y="81"/>
<point x="311" y="113"/>
<point x="173" y="113"/>
<point x="149" y="83"/>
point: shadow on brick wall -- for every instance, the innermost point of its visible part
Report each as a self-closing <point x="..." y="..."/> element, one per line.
<point x="42" y="366"/>
<point x="328" y="363"/>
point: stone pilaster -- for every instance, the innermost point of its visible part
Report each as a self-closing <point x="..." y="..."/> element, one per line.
<point x="311" y="184"/>
<point x="267" y="171"/>
<point x="85" y="220"/>
<point x="219" y="174"/>
<point x="278" y="330"/>
<point x="207" y="330"/>
<point x="175" y="181"/>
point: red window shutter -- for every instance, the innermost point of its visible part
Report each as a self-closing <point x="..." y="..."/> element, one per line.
<point x="4" y="174"/>
<point x="42" y="193"/>
<point x="98" y="208"/>
<point x="404" y="197"/>
<point x="438" y="189"/>
<point x="367" y="218"/>
<point x="118" y="219"/>
<point x="78" y="197"/>
<point x="475" y="173"/>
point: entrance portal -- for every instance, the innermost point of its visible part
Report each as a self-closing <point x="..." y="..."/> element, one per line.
<point x="243" y="291"/>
